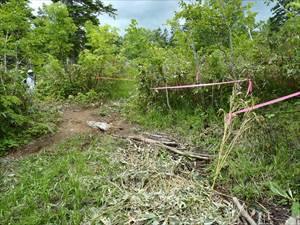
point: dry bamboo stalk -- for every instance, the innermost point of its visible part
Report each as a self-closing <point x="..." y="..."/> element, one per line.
<point x="243" y="212"/>
<point x="172" y="149"/>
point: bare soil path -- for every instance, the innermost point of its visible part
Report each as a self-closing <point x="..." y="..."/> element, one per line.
<point x="73" y="122"/>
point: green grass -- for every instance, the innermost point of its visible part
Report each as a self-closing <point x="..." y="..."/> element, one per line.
<point x="102" y="180"/>
<point x="201" y="128"/>
<point x="57" y="187"/>
<point x="106" y="92"/>
<point x="268" y="152"/>
<point x="117" y="89"/>
<point x="248" y="173"/>
<point x="105" y="180"/>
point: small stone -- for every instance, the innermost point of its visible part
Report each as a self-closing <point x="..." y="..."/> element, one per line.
<point x="99" y="125"/>
<point x="292" y="221"/>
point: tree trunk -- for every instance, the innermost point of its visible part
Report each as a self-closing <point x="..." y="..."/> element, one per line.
<point x="5" y="55"/>
<point x="231" y="53"/>
<point x="2" y="83"/>
<point x="250" y="34"/>
<point x="197" y="63"/>
<point x="17" y="58"/>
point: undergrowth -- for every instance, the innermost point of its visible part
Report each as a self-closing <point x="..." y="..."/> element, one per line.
<point x="266" y="154"/>
<point x="103" y="180"/>
<point x="197" y="126"/>
<point x="115" y="90"/>
<point x="39" y="119"/>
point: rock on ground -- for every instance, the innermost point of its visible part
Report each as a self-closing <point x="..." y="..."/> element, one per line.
<point x="99" y="125"/>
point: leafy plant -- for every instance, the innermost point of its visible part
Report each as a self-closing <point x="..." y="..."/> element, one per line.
<point x="288" y="195"/>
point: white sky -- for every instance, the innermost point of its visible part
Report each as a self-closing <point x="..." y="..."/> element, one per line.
<point x="150" y="13"/>
<point x="35" y="4"/>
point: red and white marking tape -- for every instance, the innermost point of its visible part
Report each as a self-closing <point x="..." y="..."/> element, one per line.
<point x="113" y="78"/>
<point x="203" y="85"/>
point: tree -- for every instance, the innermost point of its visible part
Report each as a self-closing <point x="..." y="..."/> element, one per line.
<point x="52" y="33"/>
<point x="282" y="10"/>
<point x="14" y="25"/>
<point x="100" y="57"/>
<point x="82" y="11"/>
<point x="214" y="26"/>
<point x="160" y="37"/>
<point x="136" y="41"/>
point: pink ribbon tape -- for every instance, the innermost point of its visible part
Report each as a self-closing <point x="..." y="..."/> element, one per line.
<point x="271" y="102"/>
<point x="200" y="85"/>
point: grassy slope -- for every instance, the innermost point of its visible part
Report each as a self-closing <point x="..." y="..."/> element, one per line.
<point x="267" y="152"/>
<point x="101" y="180"/>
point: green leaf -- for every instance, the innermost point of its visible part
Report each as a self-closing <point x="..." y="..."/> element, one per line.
<point x="295" y="209"/>
<point x="278" y="191"/>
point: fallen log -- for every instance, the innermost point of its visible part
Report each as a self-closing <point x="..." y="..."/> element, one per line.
<point x="161" y="138"/>
<point x="171" y="149"/>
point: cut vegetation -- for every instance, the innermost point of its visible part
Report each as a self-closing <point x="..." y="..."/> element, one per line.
<point x="95" y="179"/>
<point x="195" y="124"/>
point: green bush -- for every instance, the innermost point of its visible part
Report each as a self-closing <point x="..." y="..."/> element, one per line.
<point x="20" y="116"/>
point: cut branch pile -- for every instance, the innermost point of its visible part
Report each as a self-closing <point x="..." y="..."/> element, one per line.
<point x="169" y="145"/>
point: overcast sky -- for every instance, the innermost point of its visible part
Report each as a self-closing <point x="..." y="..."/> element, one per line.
<point x="150" y="13"/>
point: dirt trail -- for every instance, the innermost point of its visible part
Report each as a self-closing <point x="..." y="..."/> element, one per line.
<point x="74" y="121"/>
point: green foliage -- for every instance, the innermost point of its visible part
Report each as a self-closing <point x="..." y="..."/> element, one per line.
<point x="218" y="41"/>
<point x="81" y="12"/>
<point x="86" y="77"/>
<point x="282" y="11"/>
<point x="19" y="123"/>
<point x="89" y="97"/>
<point x="100" y="59"/>
<point x="204" y="47"/>
<point x="136" y="41"/>
<point x="21" y="117"/>
<point x="55" y="82"/>
<point x="10" y="118"/>
<point x="12" y="109"/>
<point x="53" y="31"/>
<point x="287" y="195"/>
<point x="14" y="26"/>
